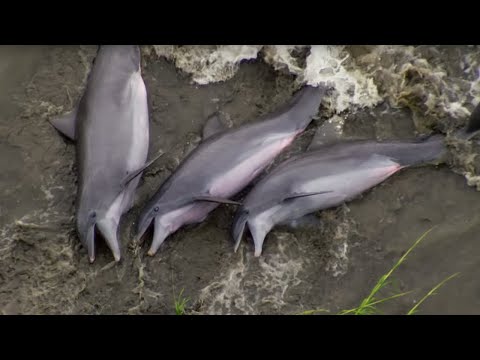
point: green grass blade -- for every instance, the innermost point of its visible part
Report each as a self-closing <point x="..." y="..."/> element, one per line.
<point x="368" y="305"/>
<point x="391" y="297"/>
<point x="382" y="282"/>
<point x="371" y="305"/>
<point x="430" y="293"/>
<point x="311" y="312"/>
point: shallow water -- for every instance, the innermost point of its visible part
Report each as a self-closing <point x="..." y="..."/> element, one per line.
<point x="44" y="269"/>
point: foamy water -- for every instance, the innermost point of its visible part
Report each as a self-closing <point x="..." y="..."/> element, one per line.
<point x="359" y="81"/>
<point x="249" y="283"/>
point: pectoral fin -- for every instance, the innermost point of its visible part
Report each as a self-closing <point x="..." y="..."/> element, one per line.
<point x="216" y="200"/>
<point x="135" y="173"/>
<point x="299" y="195"/>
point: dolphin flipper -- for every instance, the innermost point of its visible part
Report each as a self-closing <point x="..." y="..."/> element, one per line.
<point x="215" y="199"/>
<point x="298" y="195"/>
<point x="135" y="173"/>
<point x="66" y="123"/>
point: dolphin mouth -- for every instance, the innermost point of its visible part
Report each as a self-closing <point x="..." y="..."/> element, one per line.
<point x="90" y="243"/>
<point x="160" y="233"/>
<point x="107" y="229"/>
<point x="142" y="229"/>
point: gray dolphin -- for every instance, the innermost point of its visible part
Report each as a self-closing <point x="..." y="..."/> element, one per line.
<point x="111" y="129"/>
<point x="332" y="173"/>
<point x="223" y="164"/>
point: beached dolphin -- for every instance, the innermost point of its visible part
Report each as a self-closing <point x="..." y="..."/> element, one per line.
<point x="333" y="172"/>
<point x="111" y="130"/>
<point x="223" y="164"/>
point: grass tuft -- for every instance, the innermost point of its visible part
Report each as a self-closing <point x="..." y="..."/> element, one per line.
<point x="180" y="304"/>
<point x="368" y="306"/>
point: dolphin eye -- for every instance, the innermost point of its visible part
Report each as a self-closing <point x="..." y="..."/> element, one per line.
<point x="93" y="215"/>
<point x="156" y="209"/>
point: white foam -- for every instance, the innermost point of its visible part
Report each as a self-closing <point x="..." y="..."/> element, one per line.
<point x="338" y="262"/>
<point x="271" y="276"/>
<point x="280" y="57"/>
<point x="324" y="64"/>
<point x="355" y="80"/>
<point x="208" y="64"/>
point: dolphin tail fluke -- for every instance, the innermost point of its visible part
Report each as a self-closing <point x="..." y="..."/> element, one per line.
<point x="108" y="228"/>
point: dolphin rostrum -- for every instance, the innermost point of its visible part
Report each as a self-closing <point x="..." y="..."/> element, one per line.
<point x="332" y="173"/>
<point x="223" y="164"/>
<point x="111" y="131"/>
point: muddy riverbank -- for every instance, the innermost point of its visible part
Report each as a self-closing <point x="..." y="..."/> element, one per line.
<point x="44" y="269"/>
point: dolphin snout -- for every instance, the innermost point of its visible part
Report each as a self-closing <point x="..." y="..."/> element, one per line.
<point x="160" y="233"/>
<point x="108" y="228"/>
<point x="239" y="227"/>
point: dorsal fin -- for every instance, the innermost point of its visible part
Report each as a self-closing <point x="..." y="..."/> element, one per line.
<point x="216" y="123"/>
<point x="331" y="131"/>
<point x="66" y="123"/>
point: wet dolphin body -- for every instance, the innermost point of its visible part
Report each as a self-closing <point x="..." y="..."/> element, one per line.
<point x="223" y="164"/>
<point x="111" y="131"/>
<point x="329" y="175"/>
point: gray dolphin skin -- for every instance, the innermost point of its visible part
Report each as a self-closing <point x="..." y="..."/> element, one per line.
<point x="223" y="164"/>
<point x="111" y="129"/>
<point x="329" y="175"/>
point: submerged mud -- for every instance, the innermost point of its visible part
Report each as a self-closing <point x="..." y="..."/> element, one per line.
<point x="398" y="92"/>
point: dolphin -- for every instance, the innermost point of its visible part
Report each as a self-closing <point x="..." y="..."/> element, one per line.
<point x="329" y="173"/>
<point x="110" y="127"/>
<point x="224" y="163"/>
